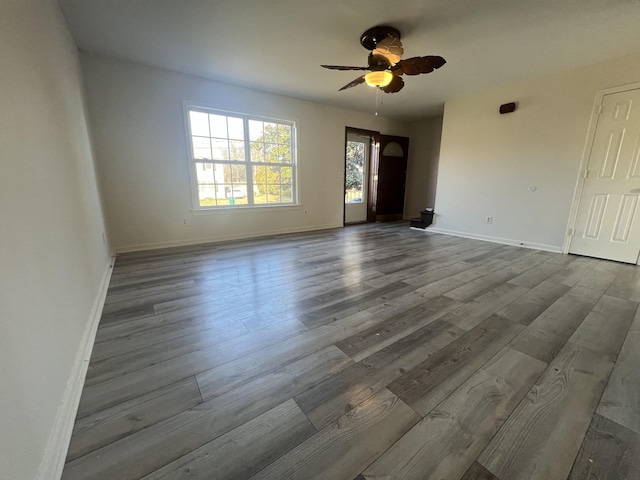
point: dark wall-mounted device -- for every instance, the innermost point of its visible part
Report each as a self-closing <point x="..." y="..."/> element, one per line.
<point x="507" y="108"/>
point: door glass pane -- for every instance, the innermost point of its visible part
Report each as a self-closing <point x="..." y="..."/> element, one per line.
<point x="355" y="172"/>
<point x="393" y="149"/>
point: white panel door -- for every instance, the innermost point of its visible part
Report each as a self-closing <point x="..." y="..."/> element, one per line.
<point x="608" y="223"/>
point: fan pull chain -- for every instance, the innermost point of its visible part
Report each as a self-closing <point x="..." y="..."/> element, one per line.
<point x="377" y="92"/>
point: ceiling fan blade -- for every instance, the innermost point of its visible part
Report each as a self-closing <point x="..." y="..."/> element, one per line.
<point x="353" y="83"/>
<point x="343" y="67"/>
<point x="418" y="65"/>
<point x="395" y="86"/>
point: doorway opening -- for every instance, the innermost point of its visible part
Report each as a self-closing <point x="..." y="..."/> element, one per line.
<point x="360" y="178"/>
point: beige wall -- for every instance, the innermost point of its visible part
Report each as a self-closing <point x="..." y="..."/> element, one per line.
<point x="52" y="255"/>
<point x="488" y="161"/>
<point x="136" y="115"/>
<point x="422" y="169"/>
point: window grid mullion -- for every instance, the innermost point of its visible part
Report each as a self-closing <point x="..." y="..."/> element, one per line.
<point x="247" y="161"/>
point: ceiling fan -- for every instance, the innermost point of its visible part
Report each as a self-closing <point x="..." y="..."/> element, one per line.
<point x="385" y="61"/>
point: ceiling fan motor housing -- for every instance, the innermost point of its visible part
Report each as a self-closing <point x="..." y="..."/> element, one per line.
<point x="371" y="37"/>
<point x="378" y="62"/>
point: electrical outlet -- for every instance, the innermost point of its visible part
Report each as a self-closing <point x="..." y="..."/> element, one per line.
<point x="305" y="212"/>
<point x="488" y="219"/>
<point x="184" y="221"/>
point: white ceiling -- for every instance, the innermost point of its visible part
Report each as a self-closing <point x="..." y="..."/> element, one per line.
<point x="278" y="45"/>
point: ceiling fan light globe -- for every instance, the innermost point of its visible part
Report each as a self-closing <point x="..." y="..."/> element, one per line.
<point x="380" y="78"/>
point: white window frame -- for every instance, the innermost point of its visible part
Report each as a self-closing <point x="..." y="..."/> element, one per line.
<point x="246" y="117"/>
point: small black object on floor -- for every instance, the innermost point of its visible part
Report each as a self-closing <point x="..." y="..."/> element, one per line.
<point x="426" y="219"/>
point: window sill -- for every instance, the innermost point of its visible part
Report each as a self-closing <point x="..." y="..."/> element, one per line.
<point x="245" y="209"/>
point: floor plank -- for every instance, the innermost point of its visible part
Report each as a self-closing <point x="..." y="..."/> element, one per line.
<point x="529" y="306"/>
<point x="614" y="313"/>
<point x="112" y="424"/>
<point x="151" y="448"/>
<point x="471" y="314"/>
<point x="627" y="284"/>
<point x="541" y="439"/>
<point x="383" y="334"/>
<point x="439" y="272"/>
<point x="621" y="399"/>
<point x="480" y="286"/>
<point x="138" y="293"/>
<point x="537" y="275"/>
<point x="327" y="400"/>
<point x="600" y="278"/>
<point x="609" y="452"/>
<point x="426" y="385"/>
<point x="148" y="301"/>
<point x="215" y="331"/>
<point x="573" y="273"/>
<point x="342" y="449"/>
<point x="446" y="442"/>
<point x="244" y="450"/>
<point x="549" y="332"/>
<point x="333" y="311"/>
<point x="229" y="375"/>
<point x="478" y="472"/>
<point x="113" y="330"/>
<point x="129" y="385"/>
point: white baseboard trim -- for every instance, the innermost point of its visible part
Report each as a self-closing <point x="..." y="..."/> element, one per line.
<point x="504" y="241"/>
<point x="55" y="453"/>
<point x="223" y="238"/>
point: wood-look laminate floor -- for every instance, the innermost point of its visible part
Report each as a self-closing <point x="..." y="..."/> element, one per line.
<point x="369" y="352"/>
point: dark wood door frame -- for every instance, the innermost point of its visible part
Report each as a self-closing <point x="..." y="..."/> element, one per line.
<point x="372" y="180"/>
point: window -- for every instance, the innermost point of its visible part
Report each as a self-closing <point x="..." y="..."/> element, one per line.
<point x="241" y="160"/>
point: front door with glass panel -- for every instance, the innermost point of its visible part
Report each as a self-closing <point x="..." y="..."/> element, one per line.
<point x="356" y="178"/>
